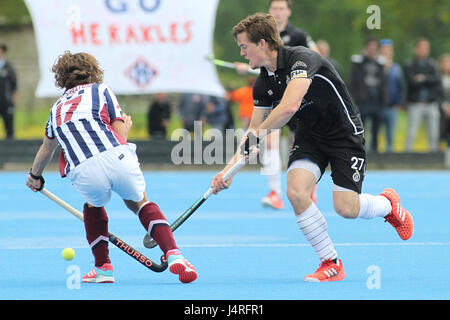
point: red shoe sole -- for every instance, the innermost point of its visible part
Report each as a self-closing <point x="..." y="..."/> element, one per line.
<point x="338" y="277"/>
<point x="406" y="230"/>
<point x="184" y="276"/>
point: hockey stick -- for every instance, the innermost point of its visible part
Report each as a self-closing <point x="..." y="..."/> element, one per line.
<point x="226" y="64"/>
<point x="122" y="245"/>
<point x="150" y="243"/>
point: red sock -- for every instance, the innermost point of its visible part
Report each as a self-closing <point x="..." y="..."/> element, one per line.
<point x="96" y="225"/>
<point x="157" y="226"/>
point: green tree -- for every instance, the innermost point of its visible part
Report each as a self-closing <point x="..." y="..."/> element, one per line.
<point x="343" y="24"/>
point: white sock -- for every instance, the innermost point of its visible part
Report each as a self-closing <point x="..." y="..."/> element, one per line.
<point x="275" y="183"/>
<point x="272" y="168"/>
<point x="314" y="228"/>
<point x="373" y="206"/>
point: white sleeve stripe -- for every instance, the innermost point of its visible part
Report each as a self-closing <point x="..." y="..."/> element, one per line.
<point x="262" y="107"/>
<point x="355" y="132"/>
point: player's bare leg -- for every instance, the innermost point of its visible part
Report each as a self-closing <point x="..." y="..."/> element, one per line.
<point x="346" y="203"/>
<point x="350" y="204"/>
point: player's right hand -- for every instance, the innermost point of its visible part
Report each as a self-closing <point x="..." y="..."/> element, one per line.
<point x="218" y="184"/>
<point x="127" y="121"/>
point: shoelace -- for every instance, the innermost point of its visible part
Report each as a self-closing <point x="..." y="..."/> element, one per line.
<point x="324" y="264"/>
<point x="189" y="264"/>
<point x="327" y="268"/>
<point x="92" y="273"/>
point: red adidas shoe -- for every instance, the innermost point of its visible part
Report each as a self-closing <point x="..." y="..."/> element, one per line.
<point x="273" y="200"/>
<point x="327" y="271"/>
<point x="399" y="217"/>
<point x="181" y="266"/>
<point x="102" y="274"/>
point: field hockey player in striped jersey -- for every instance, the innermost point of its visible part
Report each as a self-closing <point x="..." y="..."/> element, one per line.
<point x="91" y="129"/>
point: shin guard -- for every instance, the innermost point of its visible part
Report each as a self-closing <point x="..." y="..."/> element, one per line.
<point x="157" y="226"/>
<point x="96" y="225"/>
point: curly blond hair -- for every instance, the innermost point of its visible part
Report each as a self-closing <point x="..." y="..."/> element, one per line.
<point x="74" y="69"/>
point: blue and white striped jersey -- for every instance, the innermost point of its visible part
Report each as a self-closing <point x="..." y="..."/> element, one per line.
<point x="81" y="122"/>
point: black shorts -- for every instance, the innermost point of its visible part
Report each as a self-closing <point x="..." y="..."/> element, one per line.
<point x="346" y="156"/>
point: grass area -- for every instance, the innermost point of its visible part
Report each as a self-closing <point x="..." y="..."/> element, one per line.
<point x="30" y="124"/>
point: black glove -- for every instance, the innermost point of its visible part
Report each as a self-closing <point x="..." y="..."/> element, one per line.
<point x="41" y="178"/>
<point x="251" y="141"/>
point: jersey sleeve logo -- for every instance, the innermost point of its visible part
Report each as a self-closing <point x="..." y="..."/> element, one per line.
<point x="299" y="74"/>
<point x="286" y="38"/>
<point x="299" y="64"/>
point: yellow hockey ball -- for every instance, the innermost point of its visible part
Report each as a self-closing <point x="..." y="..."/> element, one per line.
<point x="68" y="254"/>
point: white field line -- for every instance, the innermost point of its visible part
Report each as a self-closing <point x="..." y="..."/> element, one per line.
<point x="342" y="244"/>
<point x="239" y="245"/>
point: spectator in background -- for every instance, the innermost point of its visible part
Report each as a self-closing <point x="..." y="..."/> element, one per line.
<point x="445" y="105"/>
<point x="244" y="97"/>
<point x="281" y="10"/>
<point x="324" y="50"/>
<point x="8" y="92"/>
<point x="229" y="102"/>
<point x="423" y="82"/>
<point x="394" y="90"/>
<point x="158" y="116"/>
<point x="366" y="87"/>
<point x="217" y="113"/>
<point x="292" y="36"/>
<point x="192" y="108"/>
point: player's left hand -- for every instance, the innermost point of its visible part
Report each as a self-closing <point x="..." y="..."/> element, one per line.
<point x="251" y="143"/>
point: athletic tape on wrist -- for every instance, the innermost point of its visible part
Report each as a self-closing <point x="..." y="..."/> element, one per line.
<point x="40" y="178"/>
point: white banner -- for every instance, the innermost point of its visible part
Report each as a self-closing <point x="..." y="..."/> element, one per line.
<point x="143" y="46"/>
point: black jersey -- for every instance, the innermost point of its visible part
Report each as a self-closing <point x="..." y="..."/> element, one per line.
<point x="326" y="111"/>
<point x="292" y="36"/>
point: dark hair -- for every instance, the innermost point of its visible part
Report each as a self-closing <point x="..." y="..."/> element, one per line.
<point x="421" y="39"/>
<point x="260" y="26"/>
<point x="289" y="2"/>
<point x="4" y="47"/>
<point x="369" y="40"/>
<point x="74" y="69"/>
